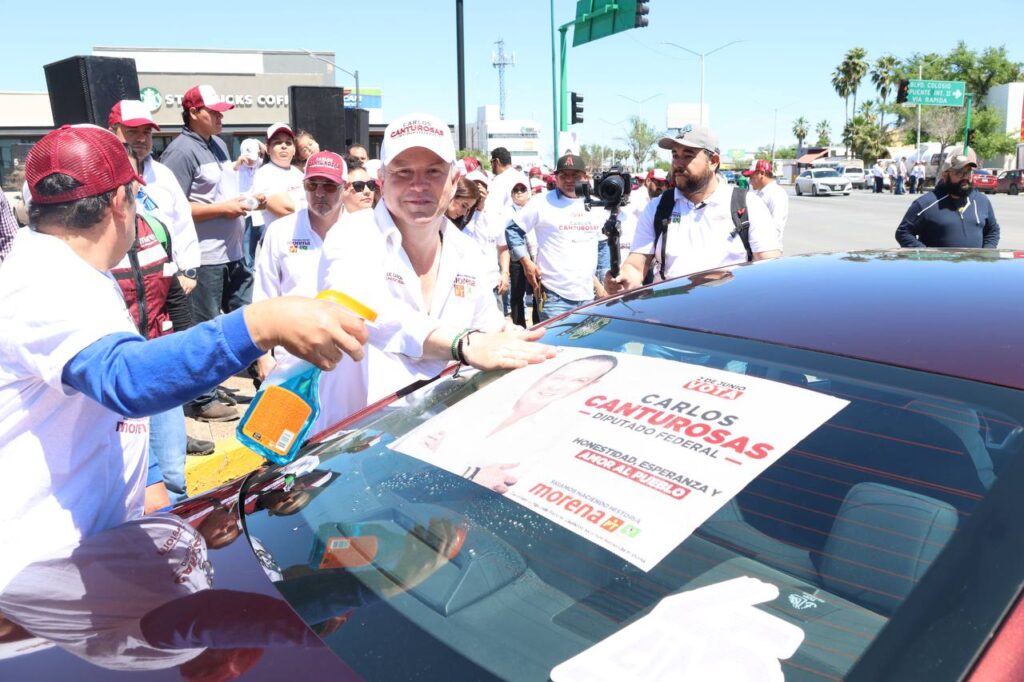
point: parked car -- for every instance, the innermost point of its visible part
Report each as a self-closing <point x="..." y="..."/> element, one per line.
<point x="984" y="180"/>
<point x="879" y="531"/>
<point x="855" y="175"/>
<point x="730" y="176"/>
<point x="822" y="181"/>
<point x="1010" y="181"/>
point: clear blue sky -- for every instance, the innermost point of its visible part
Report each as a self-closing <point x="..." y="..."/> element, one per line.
<point x="407" y="47"/>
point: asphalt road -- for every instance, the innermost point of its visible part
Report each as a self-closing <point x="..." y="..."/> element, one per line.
<point x="868" y="221"/>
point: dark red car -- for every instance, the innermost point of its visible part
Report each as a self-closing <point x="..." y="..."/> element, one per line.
<point x="880" y="542"/>
<point x="984" y="180"/>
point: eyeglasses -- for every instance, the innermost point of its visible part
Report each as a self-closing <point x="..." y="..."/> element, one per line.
<point x="518" y="189"/>
<point x="327" y="187"/>
<point x="360" y="185"/>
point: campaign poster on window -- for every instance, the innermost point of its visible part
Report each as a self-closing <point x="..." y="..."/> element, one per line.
<point x="630" y="452"/>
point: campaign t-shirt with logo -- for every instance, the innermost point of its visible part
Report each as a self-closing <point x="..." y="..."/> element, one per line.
<point x="703" y="236"/>
<point x="567" y="239"/>
<point x="76" y="467"/>
<point x="777" y="201"/>
<point x="363" y="257"/>
<point x="288" y="263"/>
<point x="271" y="179"/>
<point x="206" y="175"/>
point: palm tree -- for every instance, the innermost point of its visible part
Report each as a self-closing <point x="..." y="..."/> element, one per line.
<point x="824" y="130"/>
<point x="884" y="77"/>
<point x="841" y="84"/>
<point x="855" y="66"/>
<point x="800" y="131"/>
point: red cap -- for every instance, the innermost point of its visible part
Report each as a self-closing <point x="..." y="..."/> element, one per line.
<point x="131" y="113"/>
<point x="200" y="96"/>
<point x="91" y="155"/>
<point x="327" y="165"/>
<point x="759" y="166"/>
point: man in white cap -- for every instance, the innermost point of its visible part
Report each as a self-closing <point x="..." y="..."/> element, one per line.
<point x="288" y="263"/>
<point x="704" y="221"/>
<point x="426" y="279"/>
<point x="762" y="181"/>
<point x="204" y="170"/>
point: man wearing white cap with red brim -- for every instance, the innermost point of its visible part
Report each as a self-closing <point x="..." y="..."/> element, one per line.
<point x="426" y="279"/>
<point x="203" y="168"/>
<point x="762" y="181"/>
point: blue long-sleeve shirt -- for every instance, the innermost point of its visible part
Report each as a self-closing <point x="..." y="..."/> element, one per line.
<point x="939" y="220"/>
<point x="135" y="377"/>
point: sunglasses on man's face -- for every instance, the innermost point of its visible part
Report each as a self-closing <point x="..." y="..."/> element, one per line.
<point x="360" y="185"/>
<point x="327" y="187"/>
<point x="519" y="189"/>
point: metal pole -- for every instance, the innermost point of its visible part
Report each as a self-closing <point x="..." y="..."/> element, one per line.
<point x="701" y="114"/>
<point x="460" y="58"/>
<point x="359" y="98"/>
<point x="554" y="90"/>
<point x="920" y="75"/>
<point x="967" y="123"/>
<point x="775" y="121"/>
<point x="564" y="123"/>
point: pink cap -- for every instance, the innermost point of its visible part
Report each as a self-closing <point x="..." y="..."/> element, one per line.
<point x="327" y="165"/>
<point x="200" y="96"/>
<point x="131" y="113"/>
<point x="91" y="155"/>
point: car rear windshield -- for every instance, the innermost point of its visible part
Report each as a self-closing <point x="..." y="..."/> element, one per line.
<point x="412" y="572"/>
<point x="826" y="174"/>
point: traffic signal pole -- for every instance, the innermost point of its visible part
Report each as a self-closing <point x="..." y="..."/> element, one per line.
<point x="967" y="123"/>
<point x="554" y="89"/>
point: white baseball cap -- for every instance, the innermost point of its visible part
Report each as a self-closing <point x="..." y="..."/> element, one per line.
<point x="131" y="113"/>
<point x="251" y="148"/>
<point x="417" y="130"/>
<point x="478" y="176"/>
<point x="275" y="128"/>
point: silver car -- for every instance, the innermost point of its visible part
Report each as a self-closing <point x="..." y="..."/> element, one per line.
<point x="822" y="181"/>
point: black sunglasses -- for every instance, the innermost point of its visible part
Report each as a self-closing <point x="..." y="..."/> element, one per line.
<point x="360" y="185"/>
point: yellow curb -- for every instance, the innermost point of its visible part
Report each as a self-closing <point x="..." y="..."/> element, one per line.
<point x="229" y="460"/>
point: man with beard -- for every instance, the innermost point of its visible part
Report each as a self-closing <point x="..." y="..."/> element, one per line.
<point x="288" y="263"/>
<point x="954" y="214"/>
<point x="701" y="233"/>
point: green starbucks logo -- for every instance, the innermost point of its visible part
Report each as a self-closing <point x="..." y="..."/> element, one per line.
<point x="151" y="98"/>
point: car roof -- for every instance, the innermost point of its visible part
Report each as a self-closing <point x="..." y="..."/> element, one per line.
<point x="953" y="312"/>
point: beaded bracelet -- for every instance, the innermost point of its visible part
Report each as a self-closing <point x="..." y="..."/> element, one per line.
<point x="455" y="343"/>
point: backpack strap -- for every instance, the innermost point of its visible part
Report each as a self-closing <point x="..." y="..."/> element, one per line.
<point x="662" y="216"/>
<point x="741" y="219"/>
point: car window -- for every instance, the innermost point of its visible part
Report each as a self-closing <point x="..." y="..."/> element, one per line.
<point x="826" y="174"/>
<point x="843" y="526"/>
<point x="805" y="174"/>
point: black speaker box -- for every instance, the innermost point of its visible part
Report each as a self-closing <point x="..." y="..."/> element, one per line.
<point x="357" y="128"/>
<point x="320" y="111"/>
<point x="83" y="89"/>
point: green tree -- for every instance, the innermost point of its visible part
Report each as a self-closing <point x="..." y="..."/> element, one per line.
<point x="639" y="140"/>
<point x="862" y="136"/>
<point x="989" y="137"/>
<point x="800" y="131"/>
<point x="841" y="84"/>
<point x="855" y="66"/>
<point x="885" y="76"/>
<point x="480" y="156"/>
<point x="824" y="131"/>
<point x="980" y="71"/>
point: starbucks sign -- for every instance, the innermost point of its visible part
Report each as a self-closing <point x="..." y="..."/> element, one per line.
<point x="151" y="98"/>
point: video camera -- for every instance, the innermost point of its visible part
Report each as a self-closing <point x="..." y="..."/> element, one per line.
<point x="610" y="190"/>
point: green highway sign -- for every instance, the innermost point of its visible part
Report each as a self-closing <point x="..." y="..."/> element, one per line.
<point x="936" y="93"/>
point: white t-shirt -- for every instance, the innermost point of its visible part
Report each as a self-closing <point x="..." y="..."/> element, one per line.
<point x="703" y="238"/>
<point x="91" y="602"/>
<point x="777" y="201"/>
<point x="499" y="192"/>
<point x="363" y="257"/>
<point x="484" y="230"/>
<point x="271" y="179"/>
<point x="77" y="468"/>
<point x="163" y="188"/>
<point x="567" y="238"/>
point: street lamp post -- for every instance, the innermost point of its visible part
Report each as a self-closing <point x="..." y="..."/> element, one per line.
<point x="920" y="76"/>
<point x="354" y="74"/>
<point x="701" y="56"/>
<point x="640" y="102"/>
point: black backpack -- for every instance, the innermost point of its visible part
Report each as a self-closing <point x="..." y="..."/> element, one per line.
<point x="737" y="208"/>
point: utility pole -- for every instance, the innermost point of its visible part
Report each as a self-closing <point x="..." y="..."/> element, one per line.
<point x="461" y="67"/>
<point x="500" y="61"/>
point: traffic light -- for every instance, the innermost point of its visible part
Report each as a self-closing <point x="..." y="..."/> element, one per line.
<point x="642" y="10"/>
<point x="902" y="91"/>
<point x="577" y="108"/>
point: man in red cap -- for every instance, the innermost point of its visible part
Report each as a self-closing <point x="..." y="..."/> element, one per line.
<point x="203" y="168"/>
<point x="290" y="258"/>
<point x="762" y="181"/>
<point x="77" y="381"/>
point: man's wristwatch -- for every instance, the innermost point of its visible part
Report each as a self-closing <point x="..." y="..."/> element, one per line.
<point x="191" y="273"/>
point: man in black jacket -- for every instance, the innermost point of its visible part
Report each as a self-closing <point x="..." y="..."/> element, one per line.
<point x="953" y="215"/>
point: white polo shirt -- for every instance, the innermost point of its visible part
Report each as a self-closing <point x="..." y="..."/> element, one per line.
<point x="271" y="179"/>
<point x="163" y="188"/>
<point x="701" y="238"/>
<point x="363" y="257"/>
<point x="777" y="201"/>
<point x="77" y="468"/>
<point x="567" y="238"/>
<point x="289" y="261"/>
<point x="485" y="230"/>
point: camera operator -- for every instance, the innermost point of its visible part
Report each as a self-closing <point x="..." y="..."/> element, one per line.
<point x="702" y="225"/>
<point x="567" y="242"/>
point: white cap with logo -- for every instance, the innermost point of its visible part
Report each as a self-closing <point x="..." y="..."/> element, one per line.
<point x="417" y="130"/>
